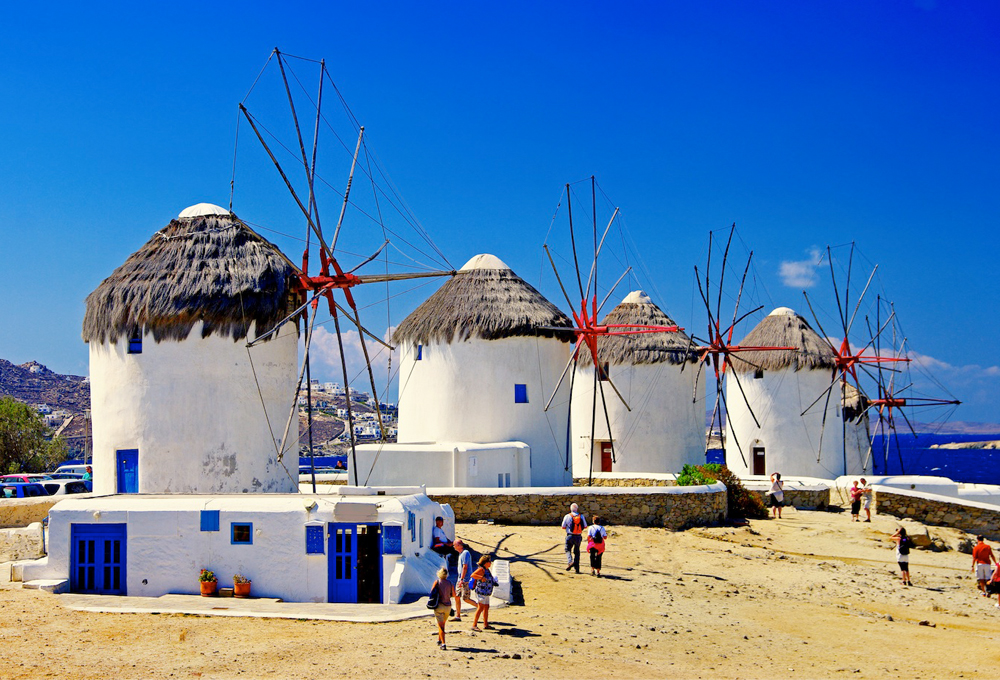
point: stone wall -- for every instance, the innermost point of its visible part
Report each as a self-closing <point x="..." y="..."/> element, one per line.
<point x="663" y="480"/>
<point x="975" y="518"/>
<point x="670" y="507"/>
<point x="20" y="512"/>
<point x="22" y="544"/>
<point x="807" y="498"/>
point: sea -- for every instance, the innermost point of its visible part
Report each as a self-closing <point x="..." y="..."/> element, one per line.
<point x="914" y="456"/>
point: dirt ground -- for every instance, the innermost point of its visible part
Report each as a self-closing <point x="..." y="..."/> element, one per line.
<point x="812" y="595"/>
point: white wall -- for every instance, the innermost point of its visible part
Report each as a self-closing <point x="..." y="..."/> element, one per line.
<point x="664" y="430"/>
<point x="193" y="411"/>
<point x="167" y="549"/>
<point x="792" y="442"/>
<point x="464" y="392"/>
<point x="454" y="464"/>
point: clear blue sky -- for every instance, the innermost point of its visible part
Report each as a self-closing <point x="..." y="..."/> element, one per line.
<point x="807" y="124"/>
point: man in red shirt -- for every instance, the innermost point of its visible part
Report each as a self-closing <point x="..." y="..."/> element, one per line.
<point x="982" y="559"/>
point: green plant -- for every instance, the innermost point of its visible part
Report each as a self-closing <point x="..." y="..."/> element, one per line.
<point x="742" y="503"/>
<point x="207" y="576"/>
<point x="240" y="578"/>
<point x="691" y="475"/>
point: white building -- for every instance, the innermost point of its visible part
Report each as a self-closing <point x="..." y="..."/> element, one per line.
<point x="478" y="361"/>
<point x="176" y="396"/>
<point x="656" y="374"/>
<point x="780" y="432"/>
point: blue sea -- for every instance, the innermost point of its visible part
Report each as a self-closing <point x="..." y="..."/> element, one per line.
<point x="914" y="456"/>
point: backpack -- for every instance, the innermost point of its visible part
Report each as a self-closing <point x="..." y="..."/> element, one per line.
<point x="577" y="524"/>
<point x="904" y="545"/>
<point x="596" y="537"/>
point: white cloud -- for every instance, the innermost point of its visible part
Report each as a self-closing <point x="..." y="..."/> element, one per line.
<point x="801" y="273"/>
<point x="967" y="372"/>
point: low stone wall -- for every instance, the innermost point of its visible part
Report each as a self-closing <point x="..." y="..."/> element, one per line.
<point x="20" y="512"/>
<point x="670" y="507"/>
<point x="970" y="516"/>
<point x="22" y="544"/>
<point x="661" y="480"/>
<point x="808" y="498"/>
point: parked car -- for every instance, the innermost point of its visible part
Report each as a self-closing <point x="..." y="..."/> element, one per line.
<point x="61" y="487"/>
<point x="64" y="475"/>
<point x="24" y="478"/>
<point x="74" y="469"/>
<point x="21" y="490"/>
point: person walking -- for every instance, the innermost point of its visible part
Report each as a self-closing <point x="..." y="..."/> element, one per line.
<point x="777" y="494"/>
<point x="574" y="523"/>
<point x="903" y="545"/>
<point x="485" y="583"/>
<point x="597" y="537"/>
<point x="856" y="495"/>
<point x="445" y="591"/>
<point x="462" y="593"/>
<point x="866" y="499"/>
<point x="982" y="561"/>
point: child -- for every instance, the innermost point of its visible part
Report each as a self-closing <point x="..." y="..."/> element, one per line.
<point x="485" y="582"/>
<point x="903" y="545"/>
<point x="596" y="539"/>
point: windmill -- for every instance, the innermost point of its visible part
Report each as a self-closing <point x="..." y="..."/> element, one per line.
<point x="592" y="334"/>
<point x="716" y="351"/>
<point x="307" y="194"/>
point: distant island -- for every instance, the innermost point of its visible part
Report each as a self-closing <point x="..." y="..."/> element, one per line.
<point x="968" y="445"/>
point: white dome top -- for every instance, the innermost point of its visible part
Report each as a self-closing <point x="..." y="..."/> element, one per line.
<point x="783" y="311"/>
<point x="484" y="262"/>
<point x="203" y="209"/>
<point x="637" y="297"/>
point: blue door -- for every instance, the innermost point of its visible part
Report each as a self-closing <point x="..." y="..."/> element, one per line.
<point x="97" y="559"/>
<point x="128" y="470"/>
<point x="342" y="555"/>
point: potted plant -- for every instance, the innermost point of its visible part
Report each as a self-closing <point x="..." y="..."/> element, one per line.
<point x="241" y="586"/>
<point x="208" y="582"/>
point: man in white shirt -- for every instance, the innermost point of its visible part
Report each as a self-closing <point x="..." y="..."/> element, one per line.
<point x="574" y="523"/>
<point x="440" y="543"/>
<point x="462" y="591"/>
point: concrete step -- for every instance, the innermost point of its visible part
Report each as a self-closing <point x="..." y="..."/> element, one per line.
<point x="54" y="586"/>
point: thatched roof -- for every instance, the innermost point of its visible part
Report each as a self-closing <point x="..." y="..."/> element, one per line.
<point x="207" y="266"/>
<point x="784" y="328"/>
<point x="642" y="348"/>
<point x="485" y="300"/>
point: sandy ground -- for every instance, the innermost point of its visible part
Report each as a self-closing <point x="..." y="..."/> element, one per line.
<point x="811" y="595"/>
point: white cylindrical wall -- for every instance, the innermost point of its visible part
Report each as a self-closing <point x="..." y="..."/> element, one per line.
<point x="664" y="430"/>
<point x="794" y="444"/>
<point x="464" y="391"/>
<point x="193" y="411"/>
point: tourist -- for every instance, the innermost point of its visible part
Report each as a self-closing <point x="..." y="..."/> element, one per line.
<point x="866" y="499"/>
<point x="462" y="592"/>
<point x="993" y="587"/>
<point x="597" y="537"/>
<point x="440" y="543"/>
<point x="982" y="561"/>
<point x="856" y="495"/>
<point x="485" y="583"/>
<point x="777" y="494"/>
<point x="89" y="474"/>
<point x="574" y="523"/>
<point x="443" y="609"/>
<point x="903" y="545"/>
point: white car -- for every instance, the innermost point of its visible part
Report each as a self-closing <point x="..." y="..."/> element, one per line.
<point x="74" y="469"/>
<point x="60" y="487"/>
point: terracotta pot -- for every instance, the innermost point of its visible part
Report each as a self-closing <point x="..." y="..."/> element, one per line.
<point x="208" y="588"/>
<point x="241" y="590"/>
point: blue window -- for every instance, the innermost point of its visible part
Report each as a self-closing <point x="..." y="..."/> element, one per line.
<point x="314" y="539"/>
<point x="209" y="520"/>
<point x="421" y="532"/>
<point x="411" y="524"/>
<point x="135" y="344"/>
<point x="420" y="352"/>
<point x="242" y="533"/>
<point x="392" y="539"/>
<point x="520" y="394"/>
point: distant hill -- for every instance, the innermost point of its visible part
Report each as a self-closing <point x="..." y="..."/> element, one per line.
<point x="34" y="384"/>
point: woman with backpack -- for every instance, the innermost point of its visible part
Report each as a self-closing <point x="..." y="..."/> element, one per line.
<point x="597" y="536"/>
<point x="483" y="582"/>
<point x="903" y="545"/>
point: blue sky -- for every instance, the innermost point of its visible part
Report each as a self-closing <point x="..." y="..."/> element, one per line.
<point x="806" y="124"/>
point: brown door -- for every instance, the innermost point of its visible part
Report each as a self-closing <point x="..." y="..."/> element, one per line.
<point x="759" y="468"/>
<point x="605" y="456"/>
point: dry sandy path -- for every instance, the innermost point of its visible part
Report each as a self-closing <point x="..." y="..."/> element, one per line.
<point x="811" y="595"/>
